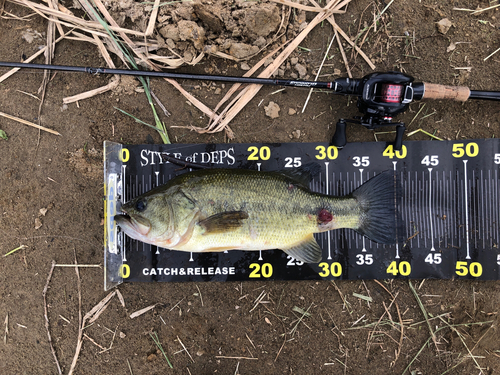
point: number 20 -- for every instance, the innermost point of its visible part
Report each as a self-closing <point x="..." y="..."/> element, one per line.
<point x="266" y="270"/>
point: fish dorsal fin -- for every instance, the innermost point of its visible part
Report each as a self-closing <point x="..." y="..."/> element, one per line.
<point x="307" y="250"/>
<point x="223" y="222"/>
<point x="303" y="174"/>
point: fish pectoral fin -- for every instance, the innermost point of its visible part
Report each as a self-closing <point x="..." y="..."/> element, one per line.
<point x="223" y="222"/>
<point x="307" y="250"/>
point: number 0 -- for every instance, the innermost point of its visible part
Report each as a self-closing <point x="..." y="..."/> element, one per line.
<point x="124" y="155"/>
<point x="124" y="271"/>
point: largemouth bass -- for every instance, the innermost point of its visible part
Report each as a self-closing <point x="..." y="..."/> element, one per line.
<point x="224" y="209"/>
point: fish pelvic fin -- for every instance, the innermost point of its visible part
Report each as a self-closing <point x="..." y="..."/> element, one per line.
<point x="378" y="200"/>
<point x="307" y="250"/>
<point x="223" y="222"/>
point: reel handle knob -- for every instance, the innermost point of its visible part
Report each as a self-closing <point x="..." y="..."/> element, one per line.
<point x="339" y="139"/>
<point x="398" y="142"/>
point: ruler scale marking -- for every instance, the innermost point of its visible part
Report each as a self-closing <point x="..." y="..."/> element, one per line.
<point x="495" y="217"/>
<point x="466" y="196"/>
<point x="490" y="222"/>
<point x="483" y="210"/>
<point x="430" y="210"/>
<point x="441" y="206"/>
<point x="474" y="208"/>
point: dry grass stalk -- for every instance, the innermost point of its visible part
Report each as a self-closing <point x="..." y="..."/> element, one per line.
<point x="142" y="311"/>
<point x="115" y="81"/>
<point x="7" y="329"/>
<point x="93" y="342"/>
<point x="70" y="20"/>
<point x="152" y="19"/>
<point x="129" y="367"/>
<point x="225" y="357"/>
<point x="79" y="289"/>
<point x="62" y="8"/>
<point x="319" y="71"/>
<point x="27" y="93"/>
<point x="282" y="346"/>
<point x="251" y="342"/>
<point x="424" y="312"/>
<point x="120" y="297"/>
<point x="28" y="123"/>
<point x="104" y="52"/>
<point x="398" y="352"/>
<point x="54" y="4"/>
<point x="90" y="316"/>
<point x="201" y="298"/>
<point x="337" y="28"/>
<point x="346" y="304"/>
<point x="342" y="52"/>
<point x="304" y="7"/>
<point x="10" y="16"/>
<point x="80" y="265"/>
<point x="374" y="23"/>
<point x="180" y="342"/>
<point x="46" y="316"/>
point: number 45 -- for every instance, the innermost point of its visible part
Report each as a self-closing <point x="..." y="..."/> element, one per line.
<point x="433" y="258"/>
<point x="430" y="160"/>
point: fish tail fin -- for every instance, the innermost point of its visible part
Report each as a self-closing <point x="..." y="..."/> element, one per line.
<point x="378" y="198"/>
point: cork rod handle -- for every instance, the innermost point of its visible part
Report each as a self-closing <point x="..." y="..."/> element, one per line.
<point x="434" y="91"/>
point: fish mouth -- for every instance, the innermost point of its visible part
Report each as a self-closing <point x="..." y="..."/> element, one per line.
<point x="134" y="226"/>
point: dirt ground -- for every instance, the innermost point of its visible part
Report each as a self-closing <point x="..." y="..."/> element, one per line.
<point x="216" y="323"/>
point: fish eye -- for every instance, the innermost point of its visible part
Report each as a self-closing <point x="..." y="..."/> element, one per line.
<point x="140" y="205"/>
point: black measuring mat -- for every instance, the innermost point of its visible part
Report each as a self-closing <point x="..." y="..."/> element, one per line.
<point x="449" y="205"/>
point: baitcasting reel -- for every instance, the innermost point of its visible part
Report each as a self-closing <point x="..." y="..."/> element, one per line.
<point x="381" y="96"/>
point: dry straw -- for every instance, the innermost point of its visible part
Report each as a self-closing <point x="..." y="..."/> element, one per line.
<point x="143" y="46"/>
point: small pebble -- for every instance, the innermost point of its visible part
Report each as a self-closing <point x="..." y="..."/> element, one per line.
<point x="272" y="110"/>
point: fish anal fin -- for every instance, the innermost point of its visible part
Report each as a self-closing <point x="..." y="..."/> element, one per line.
<point x="223" y="222"/>
<point x="307" y="250"/>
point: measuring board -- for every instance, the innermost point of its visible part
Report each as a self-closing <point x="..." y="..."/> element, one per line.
<point x="450" y="207"/>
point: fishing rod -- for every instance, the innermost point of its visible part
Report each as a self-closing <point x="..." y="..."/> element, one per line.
<point x="381" y="96"/>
